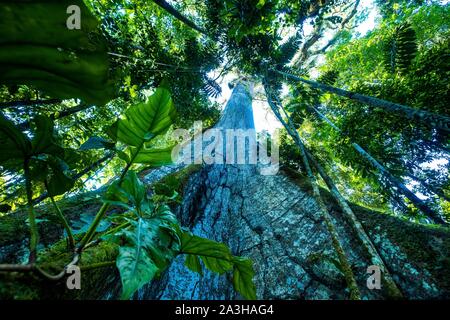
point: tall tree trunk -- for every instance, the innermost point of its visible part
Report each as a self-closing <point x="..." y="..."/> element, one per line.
<point x="427" y="118"/>
<point x="433" y="215"/>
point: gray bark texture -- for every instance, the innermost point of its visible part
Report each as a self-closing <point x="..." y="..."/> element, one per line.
<point x="275" y="221"/>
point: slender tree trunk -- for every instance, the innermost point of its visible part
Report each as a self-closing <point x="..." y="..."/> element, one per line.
<point x="434" y="216"/>
<point x="166" y="6"/>
<point x="59" y="115"/>
<point x="28" y="103"/>
<point x="427" y="118"/>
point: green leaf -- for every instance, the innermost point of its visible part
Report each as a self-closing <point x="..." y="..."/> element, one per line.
<point x="131" y="190"/>
<point x="97" y="143"/>
<point x="59" y="181"/>
<point x="260" y="4"/>
<point x="192" y="262"/>
<point x="144" y="121"/>
<point x="148" y="250"/>
<point x="134" y="263"/>
<point x="37" y="48"/>
<point x="243" y="274"/>
<point x="44" y="140"/>
<point x="82" y="225"/>
<point x="123" y="155"/>
<point x="14" y="145"/>
<point x="216" y="256"/>
<point x="154" y="157"/>
<point x="134" y="188"/>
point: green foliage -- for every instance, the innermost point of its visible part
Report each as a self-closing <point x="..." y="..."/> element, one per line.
<point x="146" y="249"/>
<point x="13" y="143"/>
<point x="41" y="152"/>
<point x="401" y="49"/>
<point x="143" y="121"/>
<point x="143" y="44"/>
<point x="33" y="34"/>
<point x="217" y="258"/>
<point x="418" y="79"/>
<point x="141" y="124"/>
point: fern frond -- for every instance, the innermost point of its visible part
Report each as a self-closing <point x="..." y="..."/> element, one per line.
<point x="401" y="49"/>
<point x="212" y="88"/>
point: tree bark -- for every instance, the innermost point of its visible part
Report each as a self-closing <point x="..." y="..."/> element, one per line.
<point x="348" y="273"/>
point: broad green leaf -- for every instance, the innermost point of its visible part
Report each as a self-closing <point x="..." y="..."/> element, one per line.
<point x="134" y="188"/>
<point x="59" y="180"/>
<point x="144" y="121"/>
<point x="53" y="171"/>
<point x="44" y="140"/>
<point x="154" y="157"/>
<point x="216" y="256"/>
<point x="164" y="213"/>
<point x="147" y="252"/>
<point x="134" y="263"/>
<point x="243" y="274"/>
<point x="37" y="48"/>
<point x="115" y="195"/>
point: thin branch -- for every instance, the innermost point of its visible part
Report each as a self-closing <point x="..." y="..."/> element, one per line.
<point x="174" y="12"/>
<point x="28" y="103"/>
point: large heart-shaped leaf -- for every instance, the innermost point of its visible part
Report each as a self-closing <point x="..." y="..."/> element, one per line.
<point x="37" y="48"/>
<point x="146" y="120"/>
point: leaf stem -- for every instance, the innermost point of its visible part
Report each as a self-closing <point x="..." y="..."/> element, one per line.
<point x="34" y="235"/>
<point x="93" y="227"/>
<point x="64" y="222"/>
<point x="101" y="213"/>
